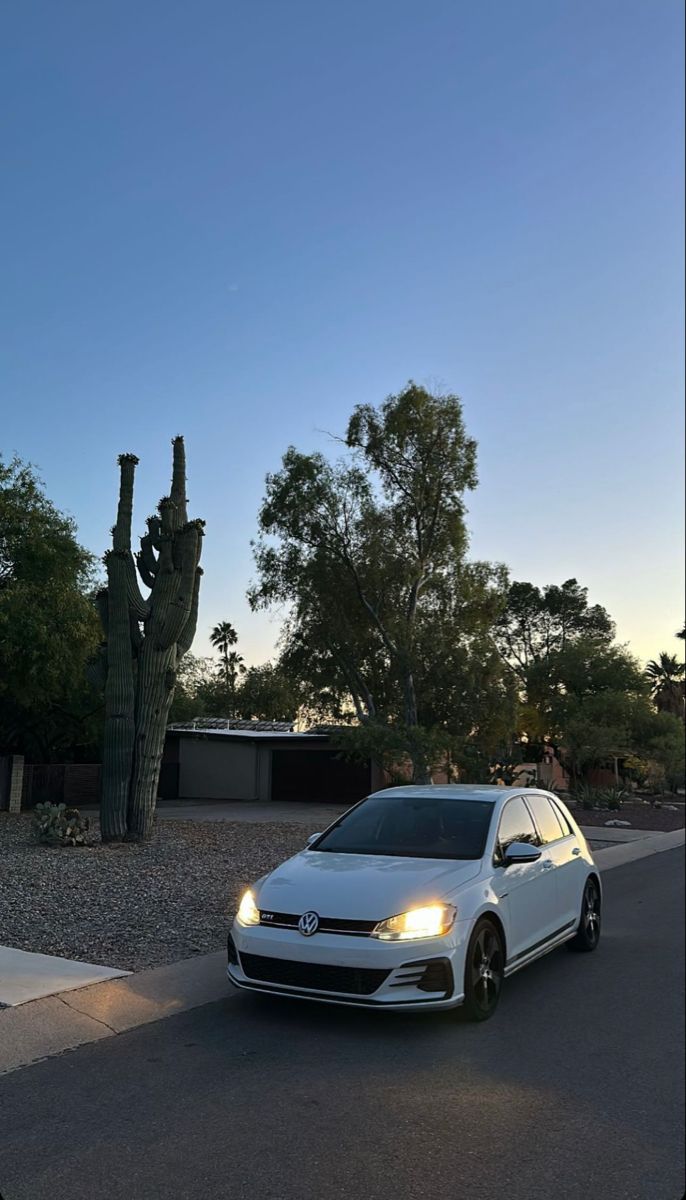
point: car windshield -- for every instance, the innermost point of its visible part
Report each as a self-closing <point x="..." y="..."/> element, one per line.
<point x="412" y="827"/>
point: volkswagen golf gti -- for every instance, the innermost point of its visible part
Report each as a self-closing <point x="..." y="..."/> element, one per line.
<point x="421" y="897"/>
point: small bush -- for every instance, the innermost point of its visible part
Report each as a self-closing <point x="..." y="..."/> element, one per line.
<point x="57" y="825"/>
<point x="612" y="798"/>
<point x="586" y="796"/>
<point x="589" y="797"/>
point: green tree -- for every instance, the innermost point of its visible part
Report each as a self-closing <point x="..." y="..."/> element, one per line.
<point x="537" y="624"/>
<point x="597" y="728"/>
<point x="666" y="677"/>
<point x="198" y="692"/>
<point x="658" y="740"/>
<point x="49" y="627"/>
<point x="365" y="552"/>
<point x="266" y="693"/>
<point x="558" y="647"/>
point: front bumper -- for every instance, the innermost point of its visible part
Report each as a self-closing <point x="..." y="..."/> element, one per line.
<point x="357" y="971"/>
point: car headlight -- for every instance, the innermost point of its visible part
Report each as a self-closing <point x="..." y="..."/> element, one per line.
<point x="248" y="912"/>
<point x="432" y="921"/>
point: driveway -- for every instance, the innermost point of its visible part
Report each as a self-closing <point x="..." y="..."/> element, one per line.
<point x="574" y="1090"/>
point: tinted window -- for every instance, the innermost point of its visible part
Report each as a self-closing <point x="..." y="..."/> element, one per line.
<point x="544" y="816"/>
<point x="412" y="827"/>
<point x="516" y="825"/>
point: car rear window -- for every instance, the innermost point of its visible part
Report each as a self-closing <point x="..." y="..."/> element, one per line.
<point x="546" y="818"/>
<point x="412" y="827"/>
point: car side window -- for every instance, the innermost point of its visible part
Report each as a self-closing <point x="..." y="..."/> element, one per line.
<point x="546" y="819"/>
<point x="564" y="822"/>
<point x="516" y="825"/>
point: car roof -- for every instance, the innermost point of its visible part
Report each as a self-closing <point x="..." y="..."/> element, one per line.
<point x="458" y="791"/>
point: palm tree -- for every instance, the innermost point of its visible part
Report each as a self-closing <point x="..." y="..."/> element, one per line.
<point x="222" y="636"/>
<point x="666" y="682"/>
<point x="682" y="633"/>
<point x="235" y="666"/>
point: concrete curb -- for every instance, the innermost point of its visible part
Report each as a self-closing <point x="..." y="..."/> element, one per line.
<point x="42" y="1028"/>
<point x="654" y="843"/>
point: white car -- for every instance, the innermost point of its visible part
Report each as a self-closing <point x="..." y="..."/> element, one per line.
<point x="421" y="897"/>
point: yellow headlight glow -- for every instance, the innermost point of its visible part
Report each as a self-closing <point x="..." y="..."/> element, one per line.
<point x="432" y="921"/>
<point x="248" y="912"/>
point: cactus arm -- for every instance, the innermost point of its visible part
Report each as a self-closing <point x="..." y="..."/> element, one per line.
<point x="189" y="544"/>
<point x="178" y="488"/>
<point x="138" y="605"/>
<point x="154" y="531"/>
<point x="101" y="603"/>
<point x="166" y="559"/>
<point x="147" y="559"/>
<point x="121" y="534"/>
<point x="166" y="507"/>
<point x="185" y="640"/>
<point x="147" y="578"/>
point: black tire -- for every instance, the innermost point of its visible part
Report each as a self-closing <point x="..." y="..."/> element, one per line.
<point x="483" y="972"/>
<point x="588" y="933"/>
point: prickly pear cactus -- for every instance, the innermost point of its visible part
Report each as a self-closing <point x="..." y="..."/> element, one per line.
<point x="146" y="637"/>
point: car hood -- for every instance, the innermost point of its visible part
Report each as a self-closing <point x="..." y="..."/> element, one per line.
<point x="362" y="887"/>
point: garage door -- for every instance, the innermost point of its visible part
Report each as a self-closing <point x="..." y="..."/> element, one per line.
<point x="318" y="776"/>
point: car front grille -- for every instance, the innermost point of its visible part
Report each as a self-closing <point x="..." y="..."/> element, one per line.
<point x="353" y="981"/>
<point x="280" y="920"/>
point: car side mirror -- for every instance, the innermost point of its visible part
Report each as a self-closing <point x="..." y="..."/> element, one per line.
<point x="521" y="852"/>
<point x="312" y="838"/>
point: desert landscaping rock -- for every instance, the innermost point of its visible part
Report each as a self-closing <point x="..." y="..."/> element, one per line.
<point x="641" y="814"/>
<point x="134" y="906"/>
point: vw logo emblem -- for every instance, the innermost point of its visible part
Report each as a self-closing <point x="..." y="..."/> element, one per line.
<point x="308" y="924"/>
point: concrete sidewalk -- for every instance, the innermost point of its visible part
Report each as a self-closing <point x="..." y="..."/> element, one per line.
<point x="25" y="976"/>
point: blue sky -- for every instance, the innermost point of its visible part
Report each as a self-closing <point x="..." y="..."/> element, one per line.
<point x="238" y="220"/>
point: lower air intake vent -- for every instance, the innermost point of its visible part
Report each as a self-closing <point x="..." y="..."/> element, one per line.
<point x="353" y="981"/>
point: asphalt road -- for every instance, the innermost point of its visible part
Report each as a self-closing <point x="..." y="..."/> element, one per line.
<point x="575" y="1089"/>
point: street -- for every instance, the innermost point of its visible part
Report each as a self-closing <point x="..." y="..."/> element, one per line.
<point x="573" y="1090"/>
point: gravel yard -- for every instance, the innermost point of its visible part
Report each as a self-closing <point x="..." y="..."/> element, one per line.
<point x="638" y="814"/>
<point x="133" y="906"/>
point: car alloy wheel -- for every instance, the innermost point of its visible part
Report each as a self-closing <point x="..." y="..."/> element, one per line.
<point x="483" y="972"/>
<point x="588" y="933"/>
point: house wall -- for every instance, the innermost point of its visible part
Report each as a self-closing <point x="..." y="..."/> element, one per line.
<point x="220" y="770"/>
<point x="216" y="768"/>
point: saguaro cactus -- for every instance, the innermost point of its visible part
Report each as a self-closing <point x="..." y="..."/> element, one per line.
<point x="145" y="639"/>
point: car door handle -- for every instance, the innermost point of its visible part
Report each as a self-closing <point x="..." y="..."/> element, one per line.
<point x="547" y="864"/>
<point x="576" y="850"/>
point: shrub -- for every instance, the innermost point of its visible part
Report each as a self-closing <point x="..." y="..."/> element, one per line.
<point x="612" y="798"/>
<point x="586" y="796"/>
<point x="589" y="797"/>
<point x="57" y="825"/>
